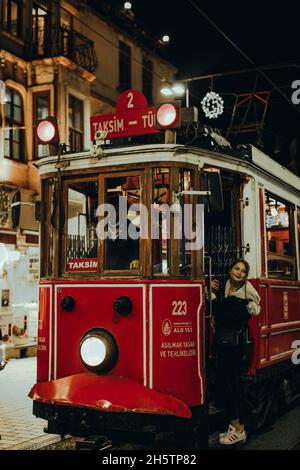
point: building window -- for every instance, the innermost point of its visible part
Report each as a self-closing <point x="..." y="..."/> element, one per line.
<point x="147" y="79"/>
<point x="124" y="66"/>
<point x="41" y="109"/>
<point x="12" y="17"/>
<point x="280" y="238"/>
<point x="39" y="30"/>
<point x="14" y="134"/>
<point x="76" y="127"/>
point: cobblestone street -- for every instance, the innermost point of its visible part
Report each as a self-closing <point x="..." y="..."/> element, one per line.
<point x="19" y="428"/>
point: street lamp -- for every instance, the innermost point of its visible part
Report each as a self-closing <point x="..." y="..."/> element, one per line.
<point x="177" y="89"/>
<point x="166" y="90"/>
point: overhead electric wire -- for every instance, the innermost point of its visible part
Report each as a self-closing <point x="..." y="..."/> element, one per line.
<point x="235" y="46"/>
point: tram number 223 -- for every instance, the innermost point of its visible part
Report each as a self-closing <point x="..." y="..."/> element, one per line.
<point x="179" y="307"/>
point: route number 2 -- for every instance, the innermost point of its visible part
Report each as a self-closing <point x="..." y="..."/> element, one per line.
<point x="130" y="100"/>
<point x="179" y="307"/>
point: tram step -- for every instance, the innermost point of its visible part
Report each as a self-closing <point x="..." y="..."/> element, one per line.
<point x="91" y="443"/>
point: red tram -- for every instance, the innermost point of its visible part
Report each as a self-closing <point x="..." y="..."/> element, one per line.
<point x="123" y="330"/>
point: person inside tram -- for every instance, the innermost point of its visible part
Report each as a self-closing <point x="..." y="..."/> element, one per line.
<point x="121" y="254"/>
<point x="232" y="309"/>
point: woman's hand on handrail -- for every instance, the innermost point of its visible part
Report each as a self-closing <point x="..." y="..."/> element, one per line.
<point x="215" y="285"/>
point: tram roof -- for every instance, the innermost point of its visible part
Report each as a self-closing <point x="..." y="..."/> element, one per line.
<point x="253" y="161"/>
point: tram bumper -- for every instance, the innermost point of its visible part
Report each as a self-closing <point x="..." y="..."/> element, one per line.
<point x="87" y="399"/>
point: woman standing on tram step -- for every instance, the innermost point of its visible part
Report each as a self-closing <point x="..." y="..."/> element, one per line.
<point x="232" y="313"/>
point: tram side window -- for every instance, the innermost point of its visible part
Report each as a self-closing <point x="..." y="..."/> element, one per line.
<point x="161" y="221"/>
<point x="81" y="240"/>
<point x="280" y="240"/>
<point x="122" y="231"/>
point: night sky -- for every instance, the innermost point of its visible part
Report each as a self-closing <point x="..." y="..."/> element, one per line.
<point x="268" y="32"/>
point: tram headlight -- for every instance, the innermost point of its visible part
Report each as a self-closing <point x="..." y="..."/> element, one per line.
<point x="98" y="350"/>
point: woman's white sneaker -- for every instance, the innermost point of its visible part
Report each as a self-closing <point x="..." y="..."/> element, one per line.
<point x="232" y="436"/>
<point x="230" y="429"/>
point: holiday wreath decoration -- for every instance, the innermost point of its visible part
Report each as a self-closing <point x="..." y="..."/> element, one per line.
<point x="212" y="105"/>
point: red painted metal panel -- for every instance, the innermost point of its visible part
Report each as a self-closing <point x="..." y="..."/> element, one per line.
<point x="284" y="304"/>
<point x="107" y="394"/>
<point x="176" y="356"/>
<point x="280" y="314"/>
<point x="281" y="344"/>
<point x="263" y="348"/>
<point x="253" y="352"/>
<point x="94" y="308"/>
<point x="44" y="339"/>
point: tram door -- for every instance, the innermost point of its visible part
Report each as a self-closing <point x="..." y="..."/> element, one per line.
<point x="223" y="231"/>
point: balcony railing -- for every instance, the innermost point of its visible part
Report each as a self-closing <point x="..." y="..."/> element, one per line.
<point x="64" y="41"/>
<point x="75" y="140"/>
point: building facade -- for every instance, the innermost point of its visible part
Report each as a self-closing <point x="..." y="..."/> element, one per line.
<point x="64" y="59"/>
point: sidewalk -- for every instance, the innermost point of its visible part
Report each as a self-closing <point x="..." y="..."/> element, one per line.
<point x="19" y="428"/>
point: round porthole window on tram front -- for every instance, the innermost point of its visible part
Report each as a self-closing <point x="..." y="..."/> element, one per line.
<point x="98" y="350"/>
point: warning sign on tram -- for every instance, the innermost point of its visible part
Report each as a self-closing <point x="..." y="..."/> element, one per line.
<point x="132" y="117"/>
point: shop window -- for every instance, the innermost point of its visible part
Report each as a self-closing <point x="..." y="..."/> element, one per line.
<point x="76" y="126"/>
<point x="161" y="221"/>
<point x="124" y="66"/>
<point x="122" y="239"/>
<point x="41" y="109"/>
<point x="82" y="242"/>
<point x="12" y="17"/>
<point x="14" y="133"/>
<point x="280" y="238"/>
<point x="147" y="79"/>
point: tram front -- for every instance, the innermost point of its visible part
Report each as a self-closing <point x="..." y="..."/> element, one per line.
<point x="121" y="307"/>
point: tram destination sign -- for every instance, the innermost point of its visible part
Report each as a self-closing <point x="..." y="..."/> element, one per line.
<point x="132" y="117"/>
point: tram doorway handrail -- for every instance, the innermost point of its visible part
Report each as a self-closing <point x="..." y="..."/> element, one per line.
<point x="209" y="284"/>
<point x="194" y="193"/>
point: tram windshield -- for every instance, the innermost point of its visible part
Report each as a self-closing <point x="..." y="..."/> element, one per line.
<point x="161" y="226"/>
<point x="122" y="241"/>
<point x="81" y="226"/>
<point x="126" y="223"/>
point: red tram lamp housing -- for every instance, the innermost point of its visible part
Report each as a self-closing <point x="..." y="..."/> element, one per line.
<point x="168" y="115"/>
<point x="47" y="131"/>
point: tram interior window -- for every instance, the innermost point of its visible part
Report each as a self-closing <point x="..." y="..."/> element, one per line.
<point x="82" y="243"/>
<point x="185" y="255"/>
<point x="161" y="221"/>
<point x="281" y="261"/>
<point x="122" y="242"/>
